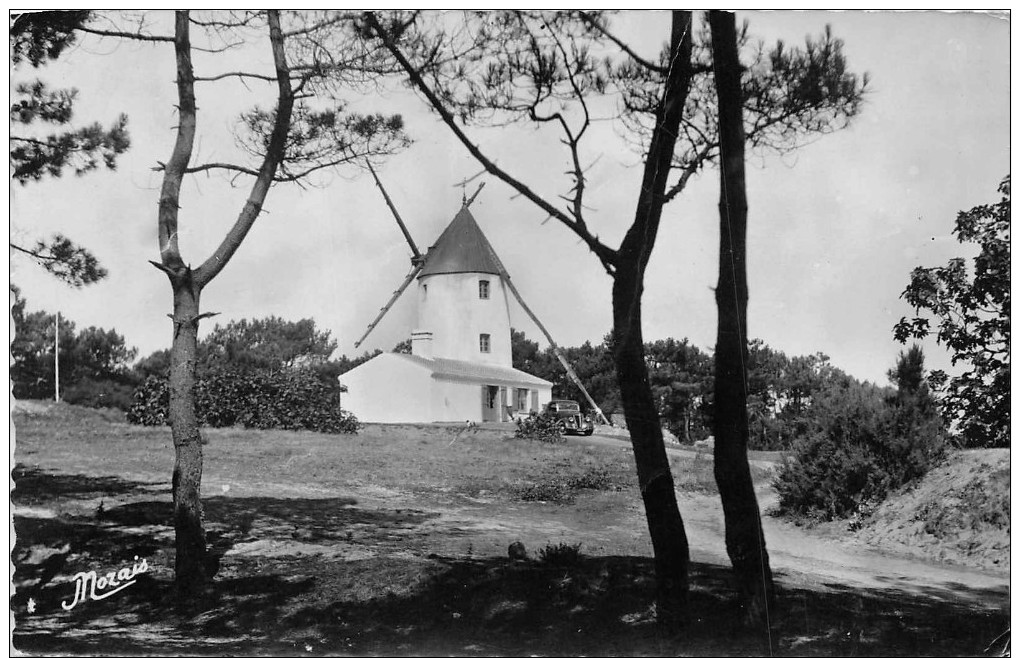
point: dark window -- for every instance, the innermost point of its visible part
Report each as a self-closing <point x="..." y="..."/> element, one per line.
<point x="483" y="342"/>
<point x="483" y="289"/>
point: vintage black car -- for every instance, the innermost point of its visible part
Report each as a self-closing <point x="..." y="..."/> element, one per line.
<point x="572" y="421"/>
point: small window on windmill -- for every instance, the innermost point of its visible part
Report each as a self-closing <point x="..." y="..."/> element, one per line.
<point x="483" y="342"/>
<point x="483" y="289"/>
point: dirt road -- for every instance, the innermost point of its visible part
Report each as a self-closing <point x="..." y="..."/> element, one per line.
<point x="797" y="553"/>
<point x="798" y="556"/>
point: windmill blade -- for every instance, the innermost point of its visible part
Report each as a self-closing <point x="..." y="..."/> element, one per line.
<point x="393" y="300"/>
<point x="396" y="215"/>
<point x="472" y="199"/>
<point x="505" y="276"/>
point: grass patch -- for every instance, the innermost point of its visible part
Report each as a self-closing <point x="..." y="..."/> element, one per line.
<point x="422" y="459"/>
<point x="697" y="475"/>
<point x="566" y="479"/>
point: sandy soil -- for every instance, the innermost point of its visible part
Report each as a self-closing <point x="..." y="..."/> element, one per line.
<point x="804" y="556"/>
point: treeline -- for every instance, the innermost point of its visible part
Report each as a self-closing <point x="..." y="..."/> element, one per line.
<point x="95" y="363"/>
<point x="781" y="389"/>
<point x="849" y="442"/>
<point x="247" y="367"/>
<point x="263" y="373"/>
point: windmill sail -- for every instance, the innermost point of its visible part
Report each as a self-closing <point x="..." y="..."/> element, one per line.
<point x="396" y="215"/>
<point x="505" y="276"/>
<point x="417" y="261"/>
<point x="393" y="300"/>
<point x="461" y="246"/>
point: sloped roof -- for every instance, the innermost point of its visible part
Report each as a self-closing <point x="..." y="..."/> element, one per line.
<point x="481" y="372"/>
<point x="462" y="247"/>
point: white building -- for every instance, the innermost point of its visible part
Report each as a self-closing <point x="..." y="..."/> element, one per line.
<point x="460" y="366"/>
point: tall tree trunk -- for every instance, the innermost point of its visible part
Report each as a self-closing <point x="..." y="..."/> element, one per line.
<point x="190" y="565"/>
<point x="665" y="525"/>
<point x="669" y="540"/>
<point x="745" y="541"/>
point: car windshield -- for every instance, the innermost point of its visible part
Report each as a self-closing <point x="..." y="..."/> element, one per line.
<point x="568" y="406"/>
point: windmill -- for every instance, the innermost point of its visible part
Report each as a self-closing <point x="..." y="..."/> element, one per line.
<point x="461" y="248"/>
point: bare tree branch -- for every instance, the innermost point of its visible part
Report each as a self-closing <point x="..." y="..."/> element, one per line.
<point x="274" y="155"/>
<point x="622" y="45"/>
<point x="573" y="140"/>
<point x="135" y="36"/>
<point x="235" y="74"/>
<point x="605" y="254"/>
<point x="33" y="254"/>
<point x="688" y="171"/>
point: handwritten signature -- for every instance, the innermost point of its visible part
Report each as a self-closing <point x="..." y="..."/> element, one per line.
<point x="89" y="585"/>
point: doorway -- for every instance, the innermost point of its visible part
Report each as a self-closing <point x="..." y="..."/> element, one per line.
<point x="490" y="404"/>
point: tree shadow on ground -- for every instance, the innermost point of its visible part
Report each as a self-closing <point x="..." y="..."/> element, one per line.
<point x="53" y="545"/>
<point x="366" y="583"/>
<point x="35" y="486"/>
<point x="601" y="606"/>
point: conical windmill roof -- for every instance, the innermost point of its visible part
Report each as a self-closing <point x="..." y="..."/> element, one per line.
<point x="462" y="247"/>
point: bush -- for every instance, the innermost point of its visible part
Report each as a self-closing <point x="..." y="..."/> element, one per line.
<point x="151" y="403"/>
<point x="543" y="427"/>
<point x="560" y="555"/>
<point x="100" y="394"/>
<point x="597" y="478"/>
<point x="293" y="399"/>
<point x="864" y="445"/>
<point x="544" y="492"/>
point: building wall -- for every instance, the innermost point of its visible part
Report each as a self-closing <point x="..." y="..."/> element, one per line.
<point x="392" y="389"/>
<point x="449" y="307"/>
<point x="459" y="401"/>
<point x="544" y="398"/>
<point x="388" y="389"/>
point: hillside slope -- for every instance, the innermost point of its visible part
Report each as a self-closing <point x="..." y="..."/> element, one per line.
<point x="959" y="513"/>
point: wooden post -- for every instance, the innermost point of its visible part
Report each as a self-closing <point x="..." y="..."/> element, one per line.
<point x="56" y="358"/>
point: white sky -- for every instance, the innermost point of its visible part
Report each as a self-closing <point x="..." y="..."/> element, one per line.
<point x="834" y="229"/>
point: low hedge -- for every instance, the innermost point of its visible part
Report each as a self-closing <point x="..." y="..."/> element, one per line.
<point x="290" y="399"/>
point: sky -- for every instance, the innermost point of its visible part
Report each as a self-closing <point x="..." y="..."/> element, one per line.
<point x="834" y="228"/>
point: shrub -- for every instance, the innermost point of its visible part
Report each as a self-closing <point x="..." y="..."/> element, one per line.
<point x="543" y="427"/>
<point x="597" y="478"/>
<point x="99" y="394"/>
<point x="545" y="492"/>
<point x="864" y="445"/>
<point x="560" y="555"/>
<point x="291" y="399"/>
<point x="151" y="403"/>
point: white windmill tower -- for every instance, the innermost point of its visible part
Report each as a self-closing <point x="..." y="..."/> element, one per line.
<point x="460" y="366"/>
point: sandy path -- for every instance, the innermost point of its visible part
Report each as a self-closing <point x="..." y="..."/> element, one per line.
<point x="798" y="557"/>
<point x="812" y="558"/>
<point x="808" y="559"/>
